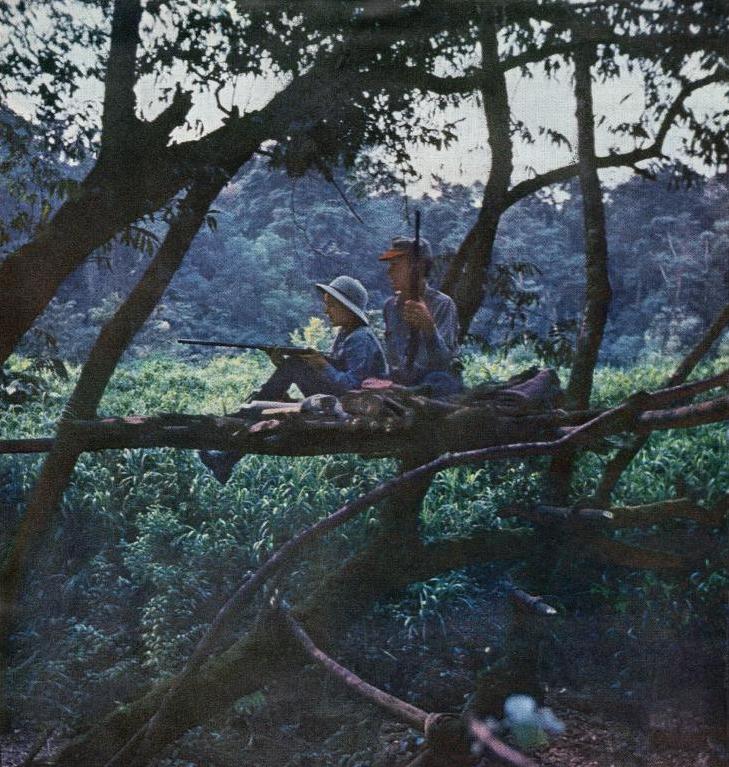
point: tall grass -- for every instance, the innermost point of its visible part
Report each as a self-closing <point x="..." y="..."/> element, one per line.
<point x="149" y="544"/>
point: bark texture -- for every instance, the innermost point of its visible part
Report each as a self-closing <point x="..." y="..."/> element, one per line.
<point x="108" y="349"/>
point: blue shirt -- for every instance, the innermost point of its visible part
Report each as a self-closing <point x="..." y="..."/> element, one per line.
<point x="435" y="350"/>
<point x="355" y="355"/>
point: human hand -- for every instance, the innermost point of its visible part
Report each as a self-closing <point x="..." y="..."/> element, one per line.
<point x="375" y="383"/>
<point x="418" y="316"/>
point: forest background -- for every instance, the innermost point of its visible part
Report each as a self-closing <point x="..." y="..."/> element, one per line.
<point x="119" y="235"/>
<point x="250" y="272"/>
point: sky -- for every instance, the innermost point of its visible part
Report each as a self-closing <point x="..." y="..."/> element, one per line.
<point x="536" y="101"/>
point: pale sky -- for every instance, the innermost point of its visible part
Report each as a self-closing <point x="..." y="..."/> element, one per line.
<point x="536" y="101"/>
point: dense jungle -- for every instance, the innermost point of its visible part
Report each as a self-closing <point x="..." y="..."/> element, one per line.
<point x="530" y="572"/>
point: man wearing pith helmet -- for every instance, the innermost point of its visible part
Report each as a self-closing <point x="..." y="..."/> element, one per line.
<point x="356" y="354"/>
<point x="421" y="331"/>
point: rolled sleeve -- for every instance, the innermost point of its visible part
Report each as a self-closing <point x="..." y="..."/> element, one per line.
<point x="442" y="344"/>
<point x="356" y="361"/>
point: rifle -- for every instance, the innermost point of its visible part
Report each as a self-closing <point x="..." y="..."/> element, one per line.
<point x="414" y="339"/>
<point x="285" y="350"/>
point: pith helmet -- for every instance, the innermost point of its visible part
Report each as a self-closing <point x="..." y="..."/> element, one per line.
<point x="350" y="293"/>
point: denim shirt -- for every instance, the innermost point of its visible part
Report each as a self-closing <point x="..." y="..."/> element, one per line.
<point x="355" y="355"/>
<point x="435" y="351"/>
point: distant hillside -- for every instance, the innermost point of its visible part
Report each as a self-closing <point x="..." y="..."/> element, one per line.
<point x="250" y="275"/>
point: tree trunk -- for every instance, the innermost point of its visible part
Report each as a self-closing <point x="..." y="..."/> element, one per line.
<point x="466" y="275"/>
<point x="108" y="349"/>
<point x="598" y="291"/>
<point x="119" y="116"/>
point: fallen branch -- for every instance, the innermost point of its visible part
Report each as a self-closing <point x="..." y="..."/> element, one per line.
<point x="402" y="711"/>
<point x="483" y="735"/>
<point x="529" y="602"/>
<point x="432" y="725"/>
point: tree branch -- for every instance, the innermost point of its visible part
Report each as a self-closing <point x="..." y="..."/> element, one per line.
<point x="118" y="120"/>
<point x="626" y="159"/>
<point x="402" y="711"/>
<point x="108" y="349"/>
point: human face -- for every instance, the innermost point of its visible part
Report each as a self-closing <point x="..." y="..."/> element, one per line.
<point x="338" y="314"/>
<point x="398" y="272"/>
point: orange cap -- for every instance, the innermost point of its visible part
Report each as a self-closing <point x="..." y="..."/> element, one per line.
<point x="390" y="254"/>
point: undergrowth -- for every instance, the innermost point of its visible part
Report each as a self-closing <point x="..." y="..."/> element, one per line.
<point x="149" y="545"/>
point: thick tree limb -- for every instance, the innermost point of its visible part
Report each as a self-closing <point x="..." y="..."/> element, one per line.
<point x="112" y="197"/>
<point x="701" y="414"/>
<point x="467" y="426"/>
<point x="108" y="349"/>
<point x="118" y="120"/>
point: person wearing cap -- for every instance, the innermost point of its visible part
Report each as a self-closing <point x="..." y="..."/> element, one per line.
<point x="356" y="354"/>
<point x="433" y="317"/>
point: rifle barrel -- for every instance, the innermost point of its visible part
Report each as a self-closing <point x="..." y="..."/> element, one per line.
<point x="414" y="339"/>
<point x="261" y="347"/>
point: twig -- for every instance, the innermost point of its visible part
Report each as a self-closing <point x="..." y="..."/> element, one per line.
<point x="530" y="602"/>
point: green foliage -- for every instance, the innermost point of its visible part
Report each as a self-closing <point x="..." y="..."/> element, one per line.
<point x="420" y="609"/>
<point x="149" y="545"/>
<point x="316" y="334"/>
